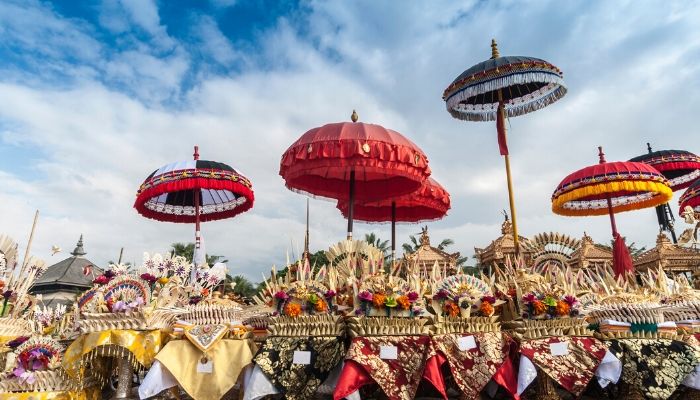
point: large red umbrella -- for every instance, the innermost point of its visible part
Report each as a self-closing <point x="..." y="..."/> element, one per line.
<point x="681" y="168"/>
<point x="429" y="203"/>
<point x="354" y="161"/>
<point x="610" y="187"/>
<point x="503" y="87"/>
<point x="194" y="191"/>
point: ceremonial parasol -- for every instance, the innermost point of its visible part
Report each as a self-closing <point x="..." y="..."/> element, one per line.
<point x="429" y="203"/>
<point x="610" y="187"/>
<point x="681" y="168"/>
<point x="691" y="197"/>
<point x="500" y="87"/>
<point x="354" y="161"/>
<point x="192" y="192"/>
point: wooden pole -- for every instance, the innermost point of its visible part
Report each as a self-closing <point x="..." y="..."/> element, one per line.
<point x="393" y="235"/>
<point x="511" y="194"/>
<point x="121" y="253"/>
<point x="351" y="209"/>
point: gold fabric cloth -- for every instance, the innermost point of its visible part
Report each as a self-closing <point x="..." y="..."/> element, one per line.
<point x="85" y="394"/>
<point x="143" y="345"/>
<point x="229" y="357"/>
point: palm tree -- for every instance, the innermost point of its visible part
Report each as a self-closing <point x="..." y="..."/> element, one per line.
<point x="414" y="244"/>
<point x="243" y="288"/>
<point x="375" y="241"/>
<point x="187" y="250"/>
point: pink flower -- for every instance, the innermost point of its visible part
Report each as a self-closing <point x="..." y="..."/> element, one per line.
<point x="149" y="278"/>
<point x="365" y="296"/>
<point x="281" y="296"/>
<point x="441" y="295"/>
<point x="329" y="294"/>
<point x="101" y="280"/>
<point x="412" y="296"/>
<point x="570" y="300"/>
<point x="489" y="299"/>
<point x="529" y="298"/>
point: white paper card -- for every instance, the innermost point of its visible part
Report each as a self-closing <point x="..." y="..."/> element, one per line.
<point x="388" y="352"/>
<point x="205" y="368"/>
<point x="466" y="343"/>
<point x="559" y="349"/>
<point x="302" y="357"/>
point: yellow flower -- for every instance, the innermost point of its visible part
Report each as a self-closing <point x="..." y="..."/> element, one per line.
<point x="163" y="280"/>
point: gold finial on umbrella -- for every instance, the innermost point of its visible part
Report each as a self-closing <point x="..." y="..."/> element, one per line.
<point x="354" y="117"/>
<point x="494" y="49"/>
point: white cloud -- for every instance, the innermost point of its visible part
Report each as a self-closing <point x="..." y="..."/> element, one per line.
<point x="630" y="71"/>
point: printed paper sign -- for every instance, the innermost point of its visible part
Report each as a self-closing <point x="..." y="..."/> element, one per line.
<point x="466" y="343"/>
<point x="388" y="352"/>
<point x="205" y="368"/>
<point x="559" y="349"/>
<point x="302" y="357"/>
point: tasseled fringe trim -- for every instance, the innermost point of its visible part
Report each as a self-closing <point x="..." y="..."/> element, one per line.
<point x="569" y="204"/>
<point x="691" y="198"/>
<point x="519" y="106"/>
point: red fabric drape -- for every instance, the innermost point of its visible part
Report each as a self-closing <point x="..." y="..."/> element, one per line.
<point x="622" y="261"/>
<point x="352" y="378"/>
<point x="433" y="374"/>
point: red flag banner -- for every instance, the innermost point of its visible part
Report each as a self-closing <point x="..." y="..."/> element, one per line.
<point x="501" y="128"/>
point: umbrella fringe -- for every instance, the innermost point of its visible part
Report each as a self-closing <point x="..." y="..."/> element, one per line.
<point x="522" y="105"/>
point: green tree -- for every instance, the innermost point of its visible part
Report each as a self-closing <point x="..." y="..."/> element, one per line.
<point x="187" y="250"/>
<point x="382" y="245"/>
<point x="632" y="248"/>
<point x="413" y="245"/>
<point x="243" y="288"/>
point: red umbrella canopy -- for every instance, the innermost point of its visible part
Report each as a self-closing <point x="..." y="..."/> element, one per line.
<point x="628" y="185"/>
<point x="430" y="202"/>
<point x="385" y="163"/>
<point x="680" y="167"/>
<point x="168" y="194"/>
<point x="691" y="197"/>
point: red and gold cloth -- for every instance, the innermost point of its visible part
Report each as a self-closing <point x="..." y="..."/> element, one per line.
<point x="572" y="371"/>
<point x="398" y="378"/>
<point x="472" y="369"/>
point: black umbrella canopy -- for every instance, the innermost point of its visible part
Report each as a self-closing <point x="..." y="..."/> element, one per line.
<point x="522" y="84"/>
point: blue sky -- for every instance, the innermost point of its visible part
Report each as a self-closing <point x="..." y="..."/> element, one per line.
<point x="96" y="95"/>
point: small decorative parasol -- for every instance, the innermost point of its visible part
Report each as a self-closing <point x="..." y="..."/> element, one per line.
<point x="607" y="188"/>
<point x="500" y="87"/>
<point x="354" y="161"/>
<point x="193" y="192"/>
<point x="429" y="203"/>
<point x="691" y="197"/>
<point x="681" y="168"/>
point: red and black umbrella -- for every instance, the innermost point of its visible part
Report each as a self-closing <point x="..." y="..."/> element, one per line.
<point x="610" y="187"/>
<point x="194" y="191"/>
<point x="354" y="161"/>
<point x="681" y="168"/>
<point x="431" y="202"/>
<point x="503" y="87"/>
<point x="691" y="197"/>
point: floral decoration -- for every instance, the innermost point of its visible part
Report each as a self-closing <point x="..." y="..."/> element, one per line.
<point x="548" y="306"/>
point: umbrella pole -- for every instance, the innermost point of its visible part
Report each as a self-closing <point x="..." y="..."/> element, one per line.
<point x="393" y="234"/>
<point x="612" y="217"/>
<point x="351" y="210"/>
<point x="197" y="234"/>
<point x="511" y="196"/>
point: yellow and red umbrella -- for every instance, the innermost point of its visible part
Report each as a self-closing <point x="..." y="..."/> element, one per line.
<point x="610" y="187"/>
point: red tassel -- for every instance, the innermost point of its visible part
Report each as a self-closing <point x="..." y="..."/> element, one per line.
<point x="622" y="261"/>
<point x="501" y="128"/>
